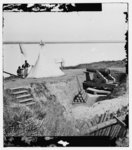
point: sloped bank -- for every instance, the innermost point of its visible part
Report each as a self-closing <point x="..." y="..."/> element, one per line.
<point x="80" y="115"/>
<point x="54" y="114"/>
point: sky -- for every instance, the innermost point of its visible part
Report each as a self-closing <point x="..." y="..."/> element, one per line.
<point x="106" y="25"/>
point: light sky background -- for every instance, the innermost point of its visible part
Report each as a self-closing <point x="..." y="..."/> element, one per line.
<point x="108" y="24"/>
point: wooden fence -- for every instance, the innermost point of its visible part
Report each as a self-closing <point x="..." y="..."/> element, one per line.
<point x="107" y="124"/>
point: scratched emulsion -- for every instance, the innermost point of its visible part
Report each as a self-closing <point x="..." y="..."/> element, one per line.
<point x="126" y="45"/>
<point x="61" y="7"/>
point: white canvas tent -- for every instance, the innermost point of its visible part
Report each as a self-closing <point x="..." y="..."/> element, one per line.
<point x="14" y="56"/>
<point x="45" y="67"/>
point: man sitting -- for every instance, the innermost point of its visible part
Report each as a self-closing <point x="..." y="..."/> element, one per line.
<point x="19" y="71"/>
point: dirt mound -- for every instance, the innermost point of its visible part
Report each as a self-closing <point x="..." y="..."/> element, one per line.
<point x="54" y="104"/>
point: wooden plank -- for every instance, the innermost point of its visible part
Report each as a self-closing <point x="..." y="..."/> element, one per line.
<point x="97" y="133"/>
<point x="99" y="86"/>
<point x="118" y="130"/>
<point x="97" y="121"/>
<point x="120" y="133"/>
<point x="115" y="130"/>
<point x="105" y="124"/>
<point x="108" y="131"/>
<point x="104" y="119"/>
<point x="111" y="132"/>
<point x="102" y="132"/>
<point x="124" y="132"/>
<point x="98" y="90"/>
<point x="109" y="128"/>
<point x="100" y="121"/>
<point x="10" y="73"/>
<point x="94" y="123"/>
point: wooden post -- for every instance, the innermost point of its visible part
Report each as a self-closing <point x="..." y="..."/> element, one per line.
<point x="105" y="124"/>
<point x="105" y="117"/>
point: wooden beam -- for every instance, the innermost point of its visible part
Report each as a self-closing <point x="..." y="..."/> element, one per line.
<point x="120" y="121"/>
<point x="105" y="124"/>
<point x="10" y="73"/>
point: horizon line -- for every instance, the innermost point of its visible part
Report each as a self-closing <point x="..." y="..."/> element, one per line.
<point x="59" y="42"/>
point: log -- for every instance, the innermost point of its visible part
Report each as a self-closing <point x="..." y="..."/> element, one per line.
<point x="10" y="73"/>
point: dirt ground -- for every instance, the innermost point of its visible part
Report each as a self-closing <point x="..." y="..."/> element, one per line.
<point x="17" y="82"/>
<point x="62" y="111"/>
<point x="77" y="111"/>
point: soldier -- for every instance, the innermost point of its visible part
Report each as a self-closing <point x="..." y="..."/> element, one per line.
<point x="23" y="71"/>
<point x="19" y="71"/>
<point x="26" y="66"/>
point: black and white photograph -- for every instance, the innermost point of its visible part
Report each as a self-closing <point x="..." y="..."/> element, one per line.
<point x="65" y="74"/>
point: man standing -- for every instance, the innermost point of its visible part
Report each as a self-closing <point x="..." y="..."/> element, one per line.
<point x="26" y="66"/>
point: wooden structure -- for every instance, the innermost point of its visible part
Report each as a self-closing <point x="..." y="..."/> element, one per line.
<point x="99" y="79"/>
<point x="108" y="125"/>
<point x="10" y="74"/>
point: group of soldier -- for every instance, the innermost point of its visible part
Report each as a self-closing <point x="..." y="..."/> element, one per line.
<point x="23" y="71"/>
